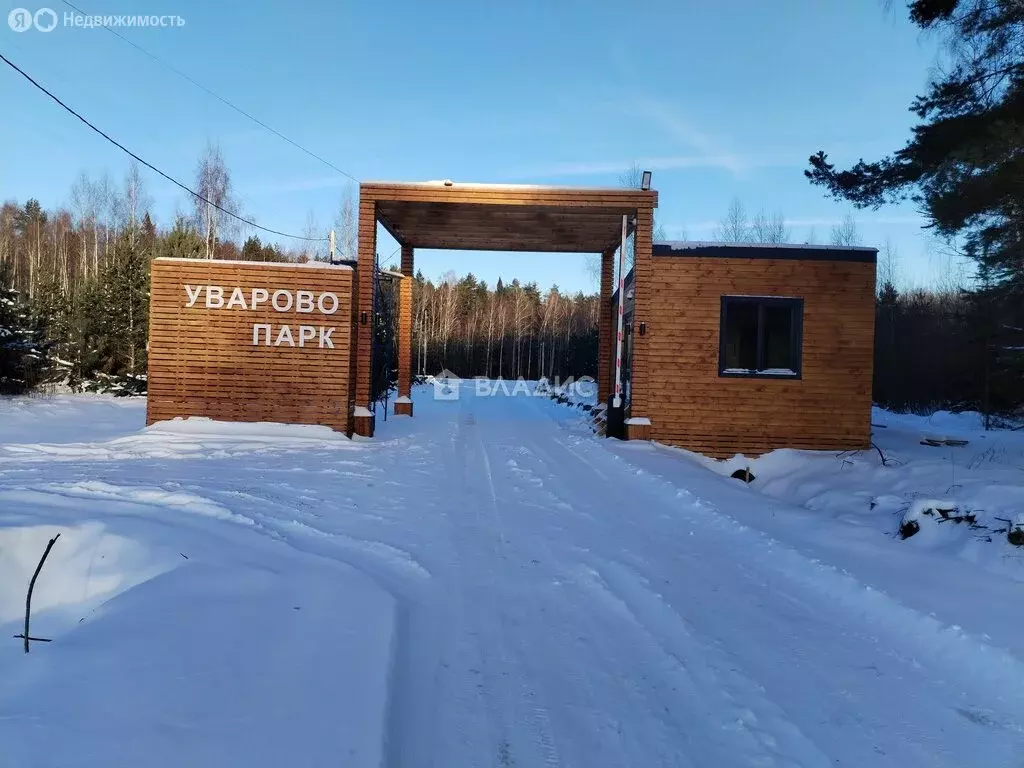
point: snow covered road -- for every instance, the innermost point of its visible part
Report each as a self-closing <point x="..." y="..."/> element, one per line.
<point x="558" y="600"/>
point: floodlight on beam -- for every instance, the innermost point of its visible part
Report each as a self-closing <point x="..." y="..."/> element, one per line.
<point x="645" y="181"/>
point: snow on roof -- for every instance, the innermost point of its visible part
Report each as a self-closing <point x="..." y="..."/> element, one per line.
<point x="303" y="265"/>
<point x="483" y="185"/>
<point x="689" y="245"/>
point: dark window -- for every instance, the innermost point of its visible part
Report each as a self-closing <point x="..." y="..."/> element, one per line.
<point x="761" y="337"/>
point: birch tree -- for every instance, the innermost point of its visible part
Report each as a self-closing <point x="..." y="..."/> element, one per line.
<point x="769" y="229"/>
<point x="213" y="215"/>
<point x="734" y="226"/>
<point x="845" y="232"/>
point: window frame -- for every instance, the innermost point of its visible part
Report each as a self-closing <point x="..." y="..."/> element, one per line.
<point x="796" y="339"/>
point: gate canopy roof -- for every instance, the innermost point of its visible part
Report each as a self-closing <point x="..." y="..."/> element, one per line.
<point x="505" y="217"/>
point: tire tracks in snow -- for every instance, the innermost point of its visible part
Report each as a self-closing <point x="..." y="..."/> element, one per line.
<point x="706" y="704"/>
<point x="797" y="588"/>
<point x="518" y="723"/>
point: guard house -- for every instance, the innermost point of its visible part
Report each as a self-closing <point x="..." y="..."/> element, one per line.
<point x="748" y="348"/>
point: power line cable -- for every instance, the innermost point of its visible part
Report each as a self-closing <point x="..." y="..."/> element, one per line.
<point x="217" y="96"/>
<point x="152" y="167"/>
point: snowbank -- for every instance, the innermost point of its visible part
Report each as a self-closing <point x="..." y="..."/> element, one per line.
<point x="979" y="486"/>
<point x="59" y="418"/>
<point x="187" y="628"/>
<point x="209" y="665"/>
<point x="200" y="425"/>
<point x="87" y="565"/>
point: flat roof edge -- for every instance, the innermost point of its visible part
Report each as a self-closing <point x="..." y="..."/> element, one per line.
<point x="473" y="185"/>
<point x="795" y="251"/>
<point x="243" y="262"/>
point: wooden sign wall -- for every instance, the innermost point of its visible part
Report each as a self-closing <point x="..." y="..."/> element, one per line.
<point x="250" y="341"/>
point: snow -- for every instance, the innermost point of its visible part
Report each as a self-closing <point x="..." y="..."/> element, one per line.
<point x="688" y="245"/>
<point x="983" y="479"/>
<point x="638" y="421"/>
<point x="261" y="264"/>
<point x="186" y="631"/>
<point x="403" y="400"/>
<point x="488" y="583"/>
<point x="92" y="565"/>
<point x="625" y="191"/>
<point x="362" y="412"/>
<point x="763" y="372"/>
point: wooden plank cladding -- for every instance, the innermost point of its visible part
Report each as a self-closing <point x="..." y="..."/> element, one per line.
<point x="485" y="217"/>
<point x="251" y="341"/>
<point x="512" y="217"/>
<point x="828" y="407"/>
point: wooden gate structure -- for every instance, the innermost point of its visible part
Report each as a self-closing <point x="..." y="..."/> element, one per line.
<point x="740" y="347"/>
<point x="498" y="217"/>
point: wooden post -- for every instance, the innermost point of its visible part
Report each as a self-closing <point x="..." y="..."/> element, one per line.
<point x="604" y="328"/>
<point x="363" y="420"/>
<point x="640" y="404"/>
<point x="403" y="405"/>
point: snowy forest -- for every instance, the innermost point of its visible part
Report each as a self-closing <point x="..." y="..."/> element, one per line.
<point x="511" y="331"/>
<point x="74" y="302"/>
<point x="74" y="294"/>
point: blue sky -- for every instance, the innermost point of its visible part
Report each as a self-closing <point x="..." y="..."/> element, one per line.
<point x="721" y="100"/>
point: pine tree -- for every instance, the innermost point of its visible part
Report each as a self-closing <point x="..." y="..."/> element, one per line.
<point x="182" y="242"/>
<point x="253" y="249"/>
<point x="965" y="162"/>
<point x="112" y="323"/>
<point x="964" y="166"/>
<point x="23" y="352"/>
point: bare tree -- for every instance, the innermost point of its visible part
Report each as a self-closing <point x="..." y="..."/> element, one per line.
<point x="312" y="247"/>
<point x="549" y="315"/>
<point x="888" y="265"/>
<point x="734" y="226"/>
<point x="491" y="302"/>
<point x="63" y="226"/>
<point x="521" y="322"/>
<point x="632" y="177"/>
<point x="770" y="229"/>
<point x="421" y="326"/>
<point x="448" y="310"/>
<point x="213" y="182"/>
<point x="502" y="317"/>
<point x="953" y="266"/>
<point x="86" y="205"/>
<point x="846" y="232"/>
<point x="592" y="265"/>
<point x="8" y="214"/>
<point x="106" y="194"/>
<point x="346" y="227"/>
<point x="132" y="205"/>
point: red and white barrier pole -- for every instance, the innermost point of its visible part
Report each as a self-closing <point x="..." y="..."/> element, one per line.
<point x="617" y="399"/>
